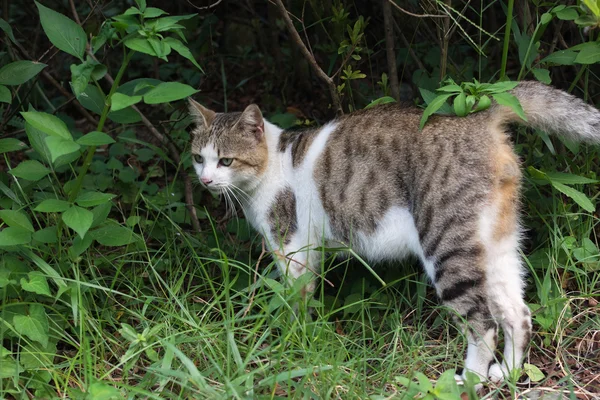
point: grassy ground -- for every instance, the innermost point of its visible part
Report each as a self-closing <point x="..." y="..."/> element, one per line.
<point x="183" y="316"/>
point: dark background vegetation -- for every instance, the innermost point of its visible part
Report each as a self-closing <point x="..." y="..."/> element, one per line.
<point x="249" y="56"/>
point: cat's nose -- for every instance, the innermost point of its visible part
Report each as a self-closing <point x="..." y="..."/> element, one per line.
<point x="206" y="181"/>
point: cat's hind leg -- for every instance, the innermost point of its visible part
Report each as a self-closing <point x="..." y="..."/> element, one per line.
<point x="460" y="281"/>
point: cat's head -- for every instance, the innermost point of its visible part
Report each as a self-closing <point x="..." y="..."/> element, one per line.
<point x="229" y="150"/>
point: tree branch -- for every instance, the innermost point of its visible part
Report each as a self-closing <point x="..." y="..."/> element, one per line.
<point x="335" y="98"/>
<point x="416" y="15"/>
<point x="389" y="49"/>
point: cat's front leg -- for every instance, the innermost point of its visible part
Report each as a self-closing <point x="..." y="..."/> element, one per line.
<point x="295" y="258"/>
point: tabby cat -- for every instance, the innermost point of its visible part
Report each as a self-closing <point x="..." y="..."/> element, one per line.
<point x="373" y="181"/>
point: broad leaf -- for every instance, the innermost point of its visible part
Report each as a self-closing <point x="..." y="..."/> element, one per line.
<point x="119" y="101"/>
<point x="168" y="91"/>
<point x="113" y="234"/>
<point x="19" y="72"/>
<point x="183" y="50"/>
<point x="435" y="105"/>
<point x="507" y="99"/>
<point x="579" y="198"/>
<point x="59" y="146"/>
<point x="80" y="76"/>
<point x="32" y="170"/>
<point x="46" y="235"/>
<point x="63" y="32"/>
<point x="79" y="219"/>
<point x="53" y="205"/>
<point x="34" y="325"/>
<point x="17" y="219"/>
<point x="95" y="139"/>
<point x="589" y="53"/>
<point x="47" y="123"/>
<point x="5" y="26"/>
<point x="93" y="100"/>
<point x="533" y="372"/>
<point x="140" y="44"/>
<point x="36" y="283"/>
<point x="5" y="95"/>
<point x="91" y="199"/>
<point x="542" y="75"/>
<point x="13" y="236"/>
<point x="11" y="144"/>
<point x="561" y="57"/>
<point x="153" y="12"/>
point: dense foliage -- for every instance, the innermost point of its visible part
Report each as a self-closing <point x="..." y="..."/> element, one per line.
<point x="121" y="278"/>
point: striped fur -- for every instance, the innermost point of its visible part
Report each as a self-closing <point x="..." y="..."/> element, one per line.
<point x="373" y="181"/>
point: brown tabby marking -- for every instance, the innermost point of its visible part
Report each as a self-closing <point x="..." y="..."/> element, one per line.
<point x="282" y="216"/>
<point x="300" y="140"/>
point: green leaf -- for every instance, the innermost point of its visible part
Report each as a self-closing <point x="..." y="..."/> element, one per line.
<point x="588" y="252"/>
<point x="579" y="198"/>
<point x="79" y="219"/>
<point x="37" y="283"/>
<point x="118" y="101"/>
<point x="5" y="95"/>
<point x="183" y="50"/>
<point x="63" y="32"/>
<point x="112" y="234"/>
<point x="460" y="105"/>
<point x="567" y="14"/>
<point x="435" y="105"/>
<point x="46" y="235"/>
<point x="11" y="144"/>
<point x="161" y="49"/>
<point x="13" y="236"/>
<point x="545" y="18"/>
<point x="502" y="86"/>
<point x="454" y="89"/>
<point x="91" y="199"/>
<point x="80" y="77"/>
<point x="53" y="205"/>
<point x="589" y="53"/>
<point x="140" y="44"/>
<point x="168" y="91"/>
<point x="569" y="179"/>
<point x="507" y="99"/>
<point x="95" y="139"/>
<point x="153" y="12"/>
<point x="34" y="325"/>
<point x="167" y="23"/>
<point x="47" y="123"/>
<point x="483" y="104"/>
<point x="33" y="356"/>
<point x="59" y="146"/>
<point x="593" y="6"/>
<point x="376" y="102"/>
<point x="19" y="72"/>
<point x="16" y="219"/>
<point x="561" y="57"/>
<point x="93" y="100"/>
<point x="32" y="170"/>
<point x="533" y="372"/>
<point x="5" y="26"/>
<point x="102" y="391"/>
<point x="542" y="75"/>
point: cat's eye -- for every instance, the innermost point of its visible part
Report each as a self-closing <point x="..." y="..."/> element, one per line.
<point x="226" y="162"/>
<point x="198" y="158"/>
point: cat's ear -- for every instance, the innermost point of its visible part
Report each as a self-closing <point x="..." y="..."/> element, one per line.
<point x="252" y="121"/>
<point x="201" y="113"/>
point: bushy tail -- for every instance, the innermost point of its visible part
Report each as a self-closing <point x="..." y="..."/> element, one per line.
<point x="553" y="111"/>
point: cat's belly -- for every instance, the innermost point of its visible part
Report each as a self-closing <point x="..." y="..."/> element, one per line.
<point x="394" y="238"/>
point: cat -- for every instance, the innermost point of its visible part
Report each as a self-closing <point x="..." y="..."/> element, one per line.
<point x="373" y="181"/>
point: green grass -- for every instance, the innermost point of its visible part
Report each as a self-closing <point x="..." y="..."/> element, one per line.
<point x="185" y="316"/>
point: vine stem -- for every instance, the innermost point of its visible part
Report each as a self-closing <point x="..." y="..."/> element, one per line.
<point x="92" y="150"/>
<point x="509" y="18"/>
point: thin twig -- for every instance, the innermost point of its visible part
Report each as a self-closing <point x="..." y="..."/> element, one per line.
<point x="389" y="49"/>
<point x="408" y="45"/>
<point x="74" y="11"/>
<point x="203" y="7"/>
<point x="335" y="99"/>
<point x="415" y="15"/>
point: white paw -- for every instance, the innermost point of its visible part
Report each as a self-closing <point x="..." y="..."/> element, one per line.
<point x="459" y="379"/>
<point x="497" y="372"/>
